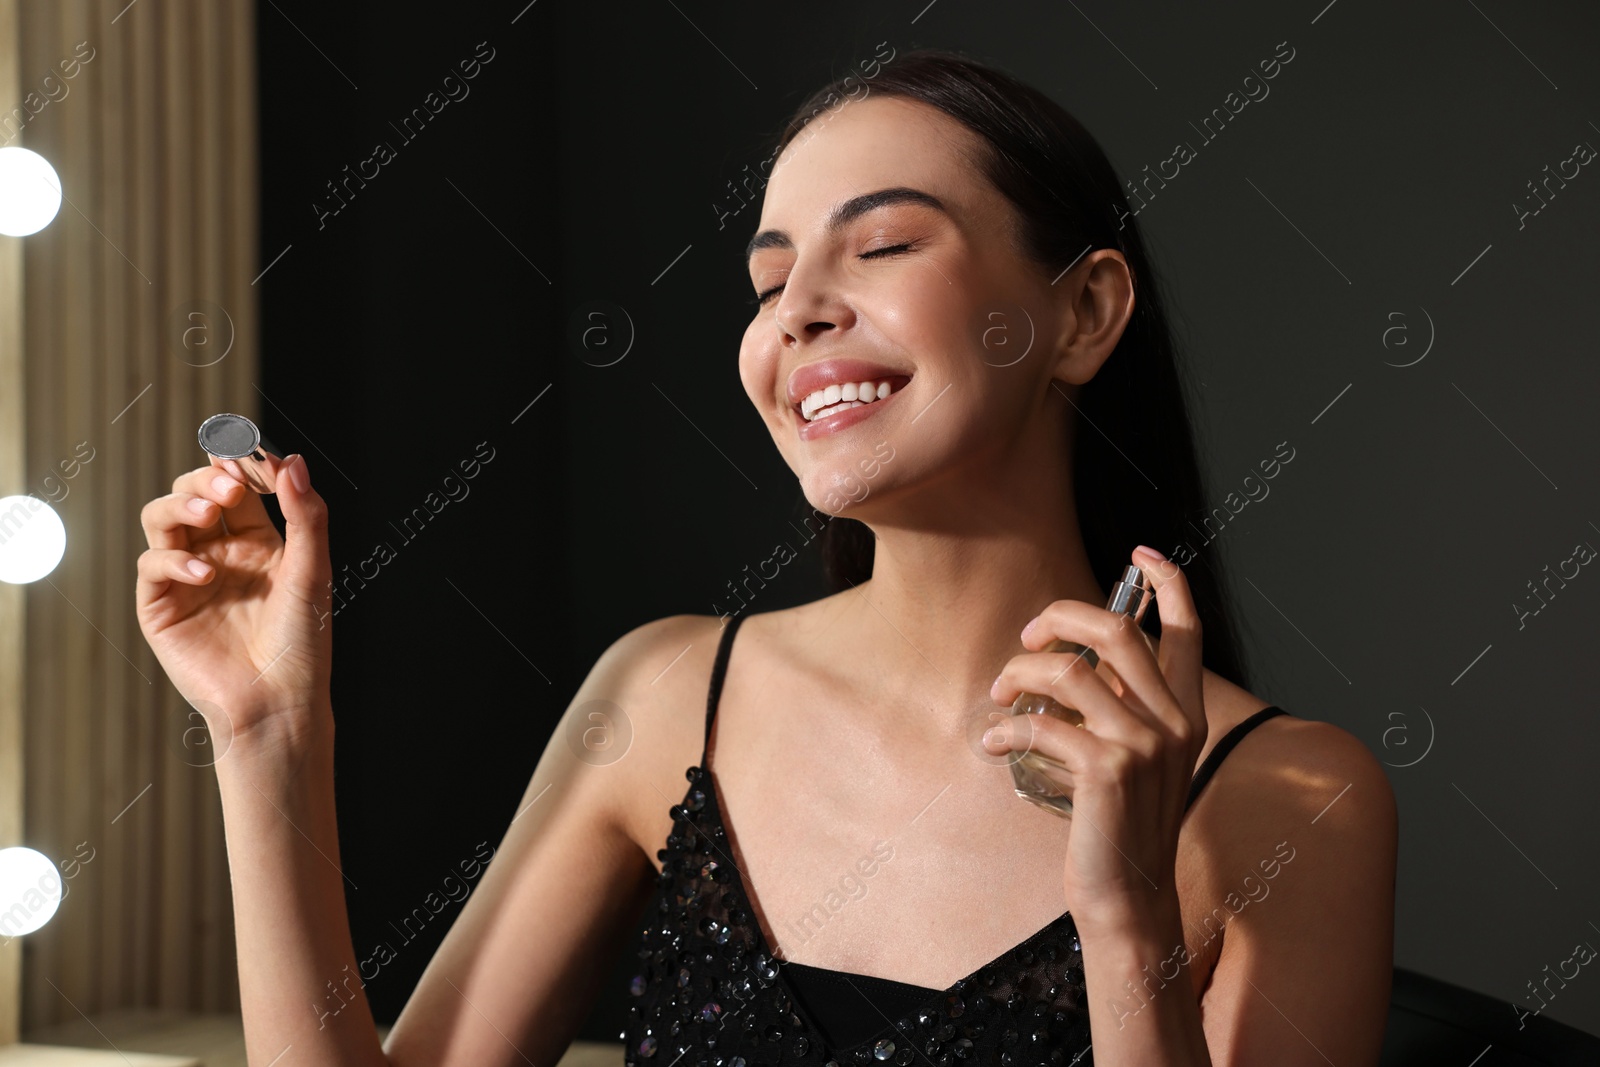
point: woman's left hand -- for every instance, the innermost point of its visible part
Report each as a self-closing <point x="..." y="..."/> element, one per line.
<point x="1128" y="768"/>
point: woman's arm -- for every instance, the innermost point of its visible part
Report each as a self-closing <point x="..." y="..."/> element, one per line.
<point x="1305" y="971"/>
<point x="1308" y="980"/>
<point x="235" y="616"/>
<point x="520" y="966"/>
<point x="519" y="970"/>
<point x="1301" y="836"/>
<point x="290" y="925"/>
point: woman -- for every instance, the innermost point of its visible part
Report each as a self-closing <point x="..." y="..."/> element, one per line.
<point x="856" y="879"/>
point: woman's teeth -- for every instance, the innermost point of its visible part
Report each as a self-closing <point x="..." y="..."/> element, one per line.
<point x="825" y="402"/>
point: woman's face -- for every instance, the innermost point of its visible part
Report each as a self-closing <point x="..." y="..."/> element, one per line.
<point x="922" y="287"/>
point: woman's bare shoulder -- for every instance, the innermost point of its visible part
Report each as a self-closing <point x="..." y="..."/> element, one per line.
<point x="1302" y="811"/>
<point x="1286" y="760"/>
<point x="1301" y="766"/>
<point x="1298" y="780"/>
<point x="651" y="710"/>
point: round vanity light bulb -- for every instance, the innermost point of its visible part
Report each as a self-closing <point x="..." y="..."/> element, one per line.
<point x="30" y="192"/>
<point x="32" y="539"/>
<point x="30" y="890"/>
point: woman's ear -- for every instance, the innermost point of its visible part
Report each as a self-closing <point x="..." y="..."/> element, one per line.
<point x="1095" y="299"/>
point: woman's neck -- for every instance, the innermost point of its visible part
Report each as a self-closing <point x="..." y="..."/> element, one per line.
<point x="944" y="609"/>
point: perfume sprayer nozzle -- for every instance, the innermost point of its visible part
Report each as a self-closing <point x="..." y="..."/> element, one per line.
<point x="1131" y="594"/>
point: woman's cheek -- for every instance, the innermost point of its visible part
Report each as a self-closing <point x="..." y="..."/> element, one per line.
<point x="753" y="368"/>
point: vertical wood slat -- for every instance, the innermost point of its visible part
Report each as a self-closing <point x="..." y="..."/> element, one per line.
<point x="139" y="440"/>
<point x="68" y="662"/>
<point x="243" y="236"/>
<point x="208" y="255"/>
<point x="209" y="915"/>
<point x="48" y="739"/>
<point x="175" y="283"/>
<point x="122" y="687"/>
<point x="44" y="737"/>
<point x="12" y="440"/>
<point x="155" y="143"/>
<point x="84" y="650"/>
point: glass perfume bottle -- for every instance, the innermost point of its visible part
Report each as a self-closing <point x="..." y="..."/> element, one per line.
<point x="1129" y="596"/>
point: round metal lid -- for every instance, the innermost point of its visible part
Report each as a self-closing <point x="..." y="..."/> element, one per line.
<point x="229" y="436"/>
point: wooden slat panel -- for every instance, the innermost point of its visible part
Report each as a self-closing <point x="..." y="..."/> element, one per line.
<point x="41" y="270"/>
<point x="239" y="229"/>
<point x="80" y="622"/>
<point x="108" y="441"/>
<point x="44" y="736"/>
<point x="210" y="912"/>
<point x="211" y="385"/>
<point x="156" y="146"/>
<point x="176" y="283"/>
<point x="12" y="440"/>
<point x="138" y="441"/>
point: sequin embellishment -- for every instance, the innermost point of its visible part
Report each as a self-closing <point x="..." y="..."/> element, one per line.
<point x="709" y="993"/>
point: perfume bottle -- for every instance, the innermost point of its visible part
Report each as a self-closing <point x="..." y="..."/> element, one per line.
<point x="1129" y="596"/>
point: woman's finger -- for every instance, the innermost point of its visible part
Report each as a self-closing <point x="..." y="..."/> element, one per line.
<point x="1179" y="655"/>
<point x="307" y="566"/>
<point x="1126" y="652"/>
<point x="170" y="521"/>
<point x="1069" y="750"/>
<point x="1068" y="678"/>
<point x="166" y="517"/>
<point x="1119" y="643"/>
<point x="244" y="511"/>
<point x="203" y="482"/>
<point x="249" y="513"/>
<point x="159" y="567"/>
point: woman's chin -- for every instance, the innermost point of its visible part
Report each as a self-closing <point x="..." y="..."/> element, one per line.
<point x="846" y="488"/>
<point x="845" y="498"/>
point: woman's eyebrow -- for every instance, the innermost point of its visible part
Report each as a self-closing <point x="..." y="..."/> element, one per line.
<point x="846" y="212"/>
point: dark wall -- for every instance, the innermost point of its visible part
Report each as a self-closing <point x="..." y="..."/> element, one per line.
<point x="1349" y="269"/>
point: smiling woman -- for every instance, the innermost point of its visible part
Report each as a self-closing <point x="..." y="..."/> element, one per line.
<point x="889" y="236"/>
<point x="1064" y="200"/>
<point x="886" y="245"/>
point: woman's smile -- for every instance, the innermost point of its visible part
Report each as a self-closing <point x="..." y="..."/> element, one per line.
<point x="839" y="409"/>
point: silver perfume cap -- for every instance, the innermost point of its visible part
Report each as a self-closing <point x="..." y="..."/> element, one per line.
<point x="1131" y="594"/>
<point x="235" y="441"/>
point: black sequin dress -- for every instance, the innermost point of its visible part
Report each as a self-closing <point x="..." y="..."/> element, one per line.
<point x="710" y="993"/>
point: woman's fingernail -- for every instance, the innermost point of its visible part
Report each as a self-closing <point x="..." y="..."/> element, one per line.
<point x="299" y="473"/>
<point x="199" y="505"/>
<point x="994" y="686"/>
<point x="222" y="483"/>
<point x="1028" y="629"/>
<point x="1147" y="550"/>
<point x="991" y="735"/>
<point x="199" y="569"/>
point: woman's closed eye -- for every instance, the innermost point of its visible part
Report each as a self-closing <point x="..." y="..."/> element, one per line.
<point x="763" y="297"/>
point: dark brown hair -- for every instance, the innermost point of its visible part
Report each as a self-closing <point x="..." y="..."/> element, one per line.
<point x="1069" y="199"/>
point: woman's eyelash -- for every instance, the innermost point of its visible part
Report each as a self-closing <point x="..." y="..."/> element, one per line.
<point x="762" y="298"/>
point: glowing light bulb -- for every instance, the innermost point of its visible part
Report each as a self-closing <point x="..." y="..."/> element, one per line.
<point x="30" y="891"/>
<point x="32" y="539"/>
<point x="30" y="192"/>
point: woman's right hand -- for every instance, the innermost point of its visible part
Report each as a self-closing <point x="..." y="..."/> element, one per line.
<point x="248" y="641"/>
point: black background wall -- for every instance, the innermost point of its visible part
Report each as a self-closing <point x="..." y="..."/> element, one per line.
<point x="1359" y="216"/>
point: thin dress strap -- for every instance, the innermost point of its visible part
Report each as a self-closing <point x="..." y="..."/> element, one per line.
<point x="1208" y="766"/>
<point x="719" y="668"/>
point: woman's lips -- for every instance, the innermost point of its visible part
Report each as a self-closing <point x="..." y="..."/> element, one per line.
<point x="841" y="420"/>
